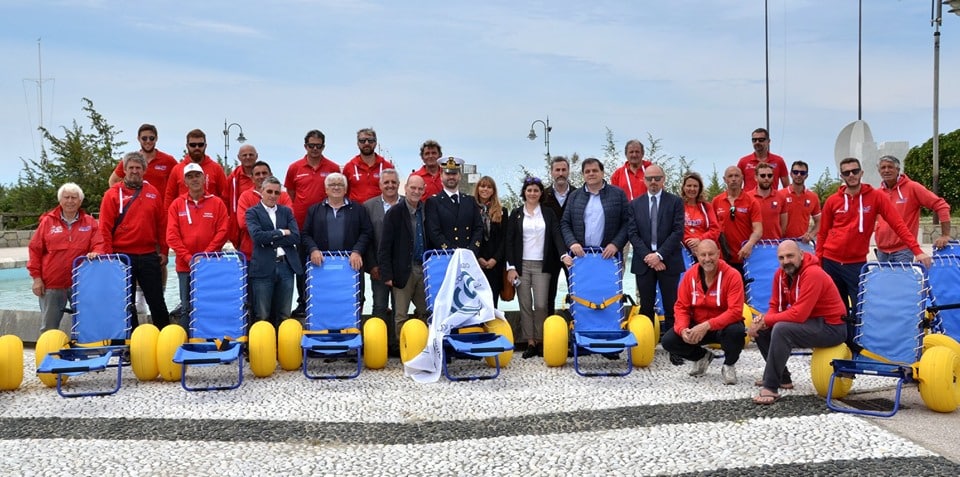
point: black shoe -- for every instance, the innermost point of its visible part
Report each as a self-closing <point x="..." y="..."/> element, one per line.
<point x="530" y="352"/>
<point x="611" y="356"/>
<point x="300" y="311"/>
<point x="676" y="360"/>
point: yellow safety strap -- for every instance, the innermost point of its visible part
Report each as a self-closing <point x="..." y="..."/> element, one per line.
<point x="598" y="306"/>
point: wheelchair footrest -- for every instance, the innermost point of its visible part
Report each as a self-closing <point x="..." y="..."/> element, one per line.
<point x="870" y="367"/>
<point x="206" y="353"/>
<point x="332" y="342"/>
<point x="604" y="341"/>
<point x="478" y="344"/>
<point x="76" y="360"/>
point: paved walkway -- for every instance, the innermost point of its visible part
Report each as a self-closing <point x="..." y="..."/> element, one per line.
<point x="13" y="257"/>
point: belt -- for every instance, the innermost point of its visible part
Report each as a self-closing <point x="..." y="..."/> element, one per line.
<point x="281" y="258"/>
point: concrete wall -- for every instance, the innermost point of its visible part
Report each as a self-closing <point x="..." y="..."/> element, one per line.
<point x="15" y="238"/>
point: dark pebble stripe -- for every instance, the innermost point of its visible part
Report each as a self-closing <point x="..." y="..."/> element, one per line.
<point x="360" y="433"/>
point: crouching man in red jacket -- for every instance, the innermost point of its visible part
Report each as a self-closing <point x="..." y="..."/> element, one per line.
<point x="805" y="312"/>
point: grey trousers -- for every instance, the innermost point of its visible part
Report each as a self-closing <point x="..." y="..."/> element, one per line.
<point x="777" y="342"/>
<point x="533" y="295"/>
<point x="413" y="291"/>
<point x="52" y="303"/>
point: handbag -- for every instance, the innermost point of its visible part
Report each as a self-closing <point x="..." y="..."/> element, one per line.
<point x="507" y="291"/>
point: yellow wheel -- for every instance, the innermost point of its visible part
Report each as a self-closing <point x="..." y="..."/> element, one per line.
<point x="262" y="349"/>
<point x="556" y="338"/>
<point x="11" y="362"/>
<point x="170" y="339"/>
<point x="938" y="372"/>
<point x="143" y="352"/>
<point x="413" y="339"/>
<point x="502" y="328"/>
<point x="748" y="313"/>
<point x="936" y="339"/>
<point x="821" y="370"/>
<point x="375" y="344"/>
<point x="288" y="344"/>
<point x="50" y="341"/>
<point x="656" y="328"/>
<point x="643" y="330"/>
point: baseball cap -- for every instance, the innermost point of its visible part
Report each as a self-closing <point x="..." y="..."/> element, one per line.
<point x="192" y="167"/>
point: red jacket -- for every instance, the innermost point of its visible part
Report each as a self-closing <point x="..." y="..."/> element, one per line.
<point x="847" y="222"/>
<point x="721" y="304"/>
<point x="54" y="246"/>
<point x="631" y="182"/>
<point x="908" y="197"/>
<point x="143" y="229"/>
<point x="363" y="181"/>
<point x="700" y="222"/>
<point x="195" y="226"/>
<point x="810" y="294"/>
<point x="248" y="199"/>
<point x="237" y="183"/>
<point x="212" y="173"/>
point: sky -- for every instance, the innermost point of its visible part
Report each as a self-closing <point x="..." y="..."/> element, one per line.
<point x="475" y="76"/>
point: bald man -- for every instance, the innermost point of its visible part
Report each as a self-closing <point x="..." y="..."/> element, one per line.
<point x="806" y="311"/>
<point x="708" y="310"/>
<point x="741" y="223"/>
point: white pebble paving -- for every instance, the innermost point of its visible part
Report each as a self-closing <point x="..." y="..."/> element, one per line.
<point x="636" y="451"/>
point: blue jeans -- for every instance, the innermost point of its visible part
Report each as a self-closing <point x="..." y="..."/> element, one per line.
<point x="904" y="255"/>
<point x="272" y="296"/>
<point x="184" y="278"/>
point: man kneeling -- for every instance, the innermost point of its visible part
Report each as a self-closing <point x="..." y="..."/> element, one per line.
<point x="710" y="298"/>
<point x="805" y="312"/>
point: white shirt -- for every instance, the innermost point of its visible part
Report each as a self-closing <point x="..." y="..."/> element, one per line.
<point x="534" y="229"/>
<point x="272" y="213"/>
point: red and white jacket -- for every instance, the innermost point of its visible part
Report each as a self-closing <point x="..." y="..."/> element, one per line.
<point x="55" y="245"/>
<point x="195" y="226"/>
<point x="721" y="304"/>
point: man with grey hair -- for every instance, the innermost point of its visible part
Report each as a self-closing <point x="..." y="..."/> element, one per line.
<point x="133" y="222"/>
<point x="275" y="236"/>
<point x="377" y="208"/>
<point x="401" y="252"/>
<point x="629" y="177"/>
<point x="336" y="224"/>
<point x="908" y="197"/>
<point x="363" y="171"/>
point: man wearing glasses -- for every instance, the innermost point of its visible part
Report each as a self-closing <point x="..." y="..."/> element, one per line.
<point x="215" y="180"/>
<point x="741" y="223"/>
<point x="907" y="197"/>
<point x="451" y="217"/>
<point x="363" y="171"/>
<point x="849" y="219"/>
<point x="275" y="236"/>
<point x="305" y="185"/>
<point x="802" y="205"/>
<point x="761" y="153"/>
<point x="772" y="211"/>
<point x="159" y="163"/>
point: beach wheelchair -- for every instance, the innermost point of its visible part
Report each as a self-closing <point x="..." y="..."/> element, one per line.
<point x="598" y="327"/>
<point x="331" y="331"/>
<point x="11" y="362"/>
<point x="461" y="326"/>
<point x="100" y="338"/>
<point x="218" y="320"/>
<point x="891" y="307"/>
<point x="952" y="248"/>
<point x="943" y="312"/>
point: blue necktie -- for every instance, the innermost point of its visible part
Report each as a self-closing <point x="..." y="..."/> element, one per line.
<point x="418" y="236"/>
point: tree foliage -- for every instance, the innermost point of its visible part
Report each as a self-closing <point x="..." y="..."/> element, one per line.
<point x="919" y="166"/>
<point x="84" y="157"/>
<point x="826" y="185"/>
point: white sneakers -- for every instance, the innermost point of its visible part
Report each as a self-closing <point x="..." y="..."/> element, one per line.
<point x="729" y="374"/>
<point x="699" y="367"/>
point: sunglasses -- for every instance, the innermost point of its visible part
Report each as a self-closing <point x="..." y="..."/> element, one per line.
<point x="196" y="145"/>
<point x="798" y="173"/>
<point x="532" y="180"/>
<point x="653" y="178"/>
<point x="367" y="141"/>
<point x="733" y="213"/>
<point x="148" y="138"/>
<point x="851" y="172"/>
<point x="765" y="176"/>
<point x="271" y="192"/>
<point x="313" y="146"/>
<point x="758" y="139"/>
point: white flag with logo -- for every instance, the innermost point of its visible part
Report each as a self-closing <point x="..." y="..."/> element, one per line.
<point x="464" y="299"/>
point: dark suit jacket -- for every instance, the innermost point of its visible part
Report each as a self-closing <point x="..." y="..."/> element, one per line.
<point x="669" y="232"/>
<point x="451" y="225"/>
<point x="358" y="230"/>
<point x="266" y="238"/>
<point x="493" y="247"/>
<point x="395" y="254"/>
<point x="374" y="208"/>
<point x="550" y="200"/>
<point x="553" y="245"/>
<point x="614" y="202"/>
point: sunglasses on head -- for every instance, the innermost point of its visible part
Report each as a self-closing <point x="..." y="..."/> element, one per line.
<point x="532" y="180"/>
<point x="851" y="172"/>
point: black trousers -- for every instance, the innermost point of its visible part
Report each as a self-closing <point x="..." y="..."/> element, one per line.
<point x="146" y="271"/>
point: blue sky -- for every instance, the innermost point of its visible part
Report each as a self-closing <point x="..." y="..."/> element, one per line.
<point x="475" y="75"/>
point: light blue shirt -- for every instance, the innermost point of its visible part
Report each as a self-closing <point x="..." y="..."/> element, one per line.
<point x="593" y="220"/>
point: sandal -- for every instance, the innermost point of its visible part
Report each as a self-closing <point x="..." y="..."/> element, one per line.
<point x="766" y="397"/>
<point x="759" y="383"/>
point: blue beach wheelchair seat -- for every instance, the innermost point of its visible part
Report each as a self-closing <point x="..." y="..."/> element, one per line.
<point x="331" y="331"/>
<point x="891" y="307"/>
<point x="462" y="333"/>
<point x="100" y="337"/>
<point x="218" y="320"/>
<point x="598" y="327"/>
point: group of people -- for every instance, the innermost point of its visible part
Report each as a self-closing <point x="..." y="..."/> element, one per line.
<point x="156" y="203"/>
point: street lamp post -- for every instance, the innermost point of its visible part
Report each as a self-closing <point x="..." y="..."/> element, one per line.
<point x="226" y="137"/>
<point x="936" y="12"/>
<point x="546" y="133"/>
